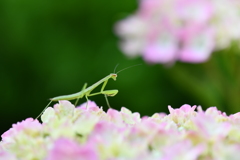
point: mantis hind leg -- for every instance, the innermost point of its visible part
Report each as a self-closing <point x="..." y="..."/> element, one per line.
<point x="84" y="87"/>
<point x="43" y="110"/>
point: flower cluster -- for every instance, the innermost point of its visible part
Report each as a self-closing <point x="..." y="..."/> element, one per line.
<point x="163" y="31"/>
<point x="69" y="133"/>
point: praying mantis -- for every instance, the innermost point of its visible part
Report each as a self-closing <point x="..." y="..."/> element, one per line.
<point x="86" y="92"/>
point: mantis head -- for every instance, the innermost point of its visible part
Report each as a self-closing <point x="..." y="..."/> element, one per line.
<point x="114" y="76"/>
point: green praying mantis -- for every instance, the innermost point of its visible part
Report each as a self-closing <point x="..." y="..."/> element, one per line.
<point x="86" y="92"/>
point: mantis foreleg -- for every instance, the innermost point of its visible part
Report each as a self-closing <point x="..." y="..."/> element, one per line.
<point x="105" y="93"/>
<point x="107" y="100"/>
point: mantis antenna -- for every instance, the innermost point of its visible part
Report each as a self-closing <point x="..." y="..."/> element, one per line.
<point x="126" y="68"/>
<point x="115" y="68"/>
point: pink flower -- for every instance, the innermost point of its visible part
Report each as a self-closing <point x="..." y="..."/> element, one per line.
<point x="214" y="112"/>
<point x="4" y="155"/>
<point x="64" y="108"/>
<point x="183" y="109"/>
<point x="197" y="47"/>
<point x="163" y="49"/>
<point x="183" y="114"/>
<point x="197" y="11"/>
<point x="65" y="149"/>
<point x="164" y="31"/>
<point x="105" y="137"/>
<point x="183" y="151"/>
<point x="88" y="106"/>
<point x="129" y="117"/>
<point x="223" y="151"/>
<point x="115" y="116"/>
<point x="104" y="132"/>
<point x="81" y="133"/>
<point x="29" y="126"/>
<point x="235" y="118"/>
<point x="209" y="128"/>
<point x="24" y="140"/>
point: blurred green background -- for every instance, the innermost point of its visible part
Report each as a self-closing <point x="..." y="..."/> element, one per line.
<point x="51" y="48"/>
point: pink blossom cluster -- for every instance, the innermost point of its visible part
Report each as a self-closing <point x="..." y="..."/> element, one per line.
<point x="69" y="133"/>
<point x="164" y="31"/>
